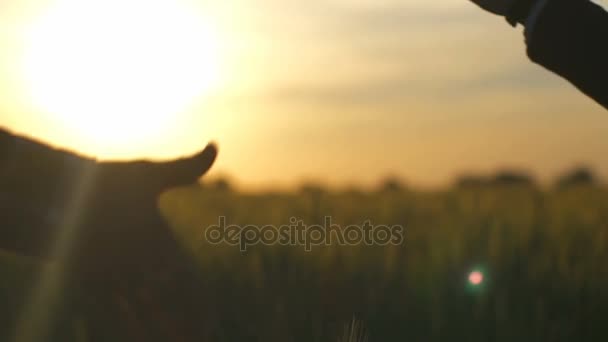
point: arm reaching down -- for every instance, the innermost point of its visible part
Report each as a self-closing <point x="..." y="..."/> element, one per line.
<point x="568" y="37"/>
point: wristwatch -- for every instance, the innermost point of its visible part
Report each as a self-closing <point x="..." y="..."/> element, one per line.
<point x="519" y="11"/>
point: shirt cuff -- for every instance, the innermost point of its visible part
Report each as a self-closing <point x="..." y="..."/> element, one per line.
<point x="533" y="17"/>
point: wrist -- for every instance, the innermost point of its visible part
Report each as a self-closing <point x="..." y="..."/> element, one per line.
<point x="519" y="11"/>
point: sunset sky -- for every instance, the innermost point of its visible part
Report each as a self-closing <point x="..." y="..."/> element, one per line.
<point x="337" y="91"/>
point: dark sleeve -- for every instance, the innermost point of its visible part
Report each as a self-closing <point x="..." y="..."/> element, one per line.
<point x="570" y="38"/>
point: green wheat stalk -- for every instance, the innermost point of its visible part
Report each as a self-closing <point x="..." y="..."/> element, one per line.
<point x="354" y="331"/>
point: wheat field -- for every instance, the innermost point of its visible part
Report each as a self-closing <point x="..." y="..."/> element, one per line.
<point x="543" y="255"/>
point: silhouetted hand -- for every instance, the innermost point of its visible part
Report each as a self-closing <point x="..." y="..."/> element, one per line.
<point x="100" y="220"/>
<point x="101" y="217"/>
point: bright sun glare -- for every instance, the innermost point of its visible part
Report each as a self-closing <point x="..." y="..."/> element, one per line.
<point x="119" y="71"/>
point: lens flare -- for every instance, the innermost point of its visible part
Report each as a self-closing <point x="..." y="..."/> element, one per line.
<point x="476" y="278"/>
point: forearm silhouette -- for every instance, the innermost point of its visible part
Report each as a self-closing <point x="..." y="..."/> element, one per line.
<point x="568" y="37"/>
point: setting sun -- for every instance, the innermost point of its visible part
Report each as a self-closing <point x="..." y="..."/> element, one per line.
<point x="119" y="71"/>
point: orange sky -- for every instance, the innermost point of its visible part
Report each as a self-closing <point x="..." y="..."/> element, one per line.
<point x="346" y="92"/>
